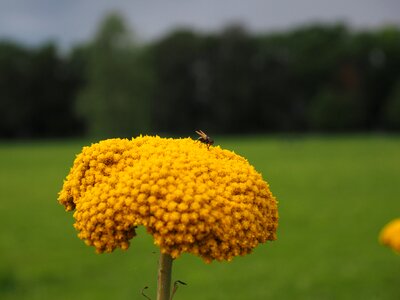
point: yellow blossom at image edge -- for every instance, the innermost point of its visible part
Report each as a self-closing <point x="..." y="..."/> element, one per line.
<point x="390" y="235"/>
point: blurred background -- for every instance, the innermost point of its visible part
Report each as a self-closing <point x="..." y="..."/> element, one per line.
<point x="79" y="68"/>
<point x="308" y="91"/>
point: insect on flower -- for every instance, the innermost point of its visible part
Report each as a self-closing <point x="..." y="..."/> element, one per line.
<point x="204" y="138"/>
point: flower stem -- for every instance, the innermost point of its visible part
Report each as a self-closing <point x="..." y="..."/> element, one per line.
<point x="164" y="277"/>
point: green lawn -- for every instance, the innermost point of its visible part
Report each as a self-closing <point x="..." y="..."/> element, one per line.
<point x="335" y="194"/>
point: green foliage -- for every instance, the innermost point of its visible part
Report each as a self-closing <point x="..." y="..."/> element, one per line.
<point x="320" y="77"/>
<point x="115" y="101"/>
<point x="37" y="88"/>
<point x="232" y="73"/>
<point x="391" y="112"/>
<point x="317" y="77"/>
<point x="175" y="102"/>
<point x="333" y="110"/>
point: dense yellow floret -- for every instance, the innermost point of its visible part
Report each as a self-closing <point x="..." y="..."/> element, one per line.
<point x="390" y="235"/>
<point x="208" y="202"/>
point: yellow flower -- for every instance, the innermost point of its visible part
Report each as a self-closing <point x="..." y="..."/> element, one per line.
<point x="390" y="235"/>
<point x="208" y="202"/>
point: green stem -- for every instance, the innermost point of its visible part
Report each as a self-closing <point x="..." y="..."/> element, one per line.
<point x="164" y="277"/>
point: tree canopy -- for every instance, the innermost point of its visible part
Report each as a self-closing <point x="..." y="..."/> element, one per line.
<point x="317" y="78"/>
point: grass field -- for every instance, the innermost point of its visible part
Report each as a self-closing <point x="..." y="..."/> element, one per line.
<point x="335" y="194"/>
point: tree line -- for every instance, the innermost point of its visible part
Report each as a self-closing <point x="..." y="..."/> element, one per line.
<point x="316" y="78"/>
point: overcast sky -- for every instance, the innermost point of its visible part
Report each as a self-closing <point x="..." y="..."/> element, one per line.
<point x="71" y="21"/>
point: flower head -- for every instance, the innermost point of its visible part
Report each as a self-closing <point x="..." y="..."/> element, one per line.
<point x="390" y="235"/>
<point x="208" y="202"/>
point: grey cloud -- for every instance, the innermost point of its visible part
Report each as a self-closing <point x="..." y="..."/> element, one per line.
<point x="71" y="21"/>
